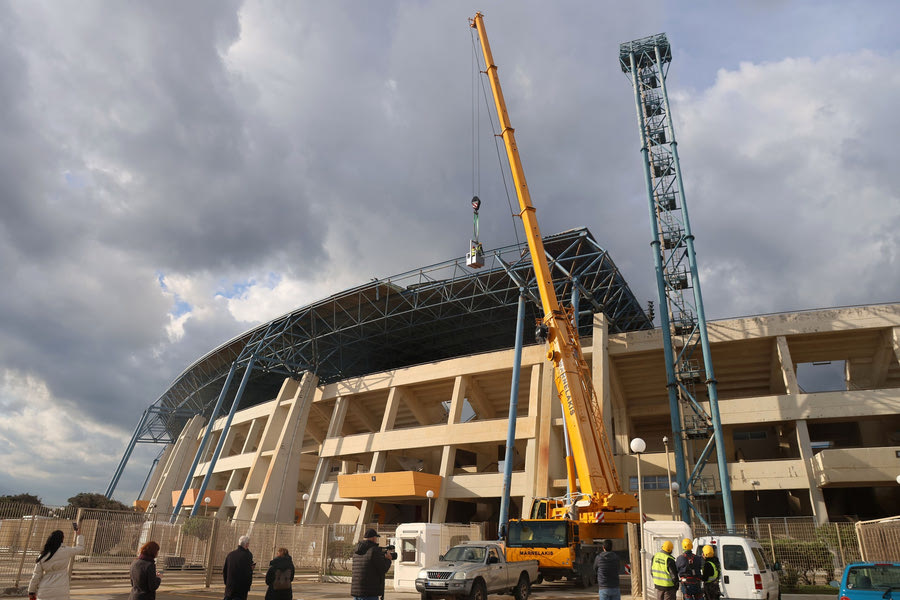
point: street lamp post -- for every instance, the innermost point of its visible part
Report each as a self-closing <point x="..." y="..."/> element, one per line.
<point x="638" y="446"/>
<point x="673" y="493"/>
<point x="303" y="507"/>
<point x="430" y="495"/>
<point x="669" y="476"/>
<point x="206" y="502"/>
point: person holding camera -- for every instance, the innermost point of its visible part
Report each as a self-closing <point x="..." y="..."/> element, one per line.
<point x="370" y="563"/>
<point x="50" y="580"/>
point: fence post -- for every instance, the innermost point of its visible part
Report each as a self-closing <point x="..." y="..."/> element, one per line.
<point x="25" y="550"/>
<point x="324" y="562"/>
<point x="211" y="550"/>
<point x="275" y="540"/>
<point x="772" y="544"/>
<point x="840" y="544"/>
<point x="634" y="553"/>
<point x="859" y="541"/>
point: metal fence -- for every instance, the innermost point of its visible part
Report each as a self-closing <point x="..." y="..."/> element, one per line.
<point x="879" y="540"/>
<point x="199" y="544"/>
<point x="808" y="553"/>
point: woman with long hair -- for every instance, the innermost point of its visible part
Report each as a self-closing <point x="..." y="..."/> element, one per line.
<point x="145" y="579"/>
<point x="279" y="576"/>
<point x="50" y="580"/>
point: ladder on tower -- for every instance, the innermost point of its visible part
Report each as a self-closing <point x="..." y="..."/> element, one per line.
<point x="697" y="433"/>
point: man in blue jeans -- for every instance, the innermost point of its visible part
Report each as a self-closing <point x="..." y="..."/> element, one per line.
<point x="607" y="566"/>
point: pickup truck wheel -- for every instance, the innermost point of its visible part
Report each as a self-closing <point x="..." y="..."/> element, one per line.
<point x="478" y="591"/>
<point x="523" y="588"/>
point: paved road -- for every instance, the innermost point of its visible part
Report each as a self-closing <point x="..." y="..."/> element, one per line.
<point x="310" y="591"/>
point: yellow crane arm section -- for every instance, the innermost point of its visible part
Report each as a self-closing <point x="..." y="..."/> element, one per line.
<point x="591" y="454"/>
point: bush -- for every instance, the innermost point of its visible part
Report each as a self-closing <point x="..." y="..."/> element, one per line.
<point x="198" y="527"/>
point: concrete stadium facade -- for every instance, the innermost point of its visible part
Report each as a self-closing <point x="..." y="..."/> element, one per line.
<point x="368" y="448"/>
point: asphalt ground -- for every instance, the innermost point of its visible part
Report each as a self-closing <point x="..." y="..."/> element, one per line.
<point x="309" y="591"/>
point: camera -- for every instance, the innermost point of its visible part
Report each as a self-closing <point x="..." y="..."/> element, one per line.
<point x="392" y="550"/>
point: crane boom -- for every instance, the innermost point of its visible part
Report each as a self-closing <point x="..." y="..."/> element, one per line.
<point x="590" y="459"/>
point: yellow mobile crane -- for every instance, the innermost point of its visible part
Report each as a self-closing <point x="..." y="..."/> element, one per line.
<point x="563" y="534"/>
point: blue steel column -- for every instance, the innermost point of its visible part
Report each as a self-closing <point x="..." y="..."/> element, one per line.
<point x="203" y="442"/>
<point x="128" y="450"/>
<point x="671" y="384"/>
<point x="513" y="412"/>
<point x="221" y="442"/>
<point x="711" y="388"/>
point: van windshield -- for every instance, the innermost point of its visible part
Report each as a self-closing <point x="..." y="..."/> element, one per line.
<point x="733" y="558"/>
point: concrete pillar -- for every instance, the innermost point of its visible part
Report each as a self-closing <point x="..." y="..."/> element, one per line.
<point x="531" y="446"/>
<point x="379" y="458"/>
<point x="448" y="454"/>
<point x="817" y="499"/>
<point x="312" y="512"/>
<point x="175" y="469"/>
<point x="600" y="368"/>
<point x="789" y="375"/>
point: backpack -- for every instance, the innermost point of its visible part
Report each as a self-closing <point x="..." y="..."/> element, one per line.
<point x="282" y="579"/>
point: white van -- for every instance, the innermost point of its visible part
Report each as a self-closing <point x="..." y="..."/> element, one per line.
<point x="746" y="572"/>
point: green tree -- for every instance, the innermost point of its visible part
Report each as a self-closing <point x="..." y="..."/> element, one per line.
<point x="199" y="527"/>
<point x="94" y="500"/>
<point x="21" y="499"/>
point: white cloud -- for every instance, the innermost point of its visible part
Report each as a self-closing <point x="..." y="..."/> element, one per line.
<point x="787" y="186"/>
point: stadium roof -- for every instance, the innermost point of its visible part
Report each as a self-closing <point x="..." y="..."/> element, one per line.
<point x="429" y="314"/>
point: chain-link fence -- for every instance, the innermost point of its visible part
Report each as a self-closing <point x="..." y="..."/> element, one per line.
<point x="199" y="544"/>
<point x="809" y="554"/>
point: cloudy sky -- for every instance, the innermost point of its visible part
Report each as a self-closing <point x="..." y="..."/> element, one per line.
<point x="174" y="173"/>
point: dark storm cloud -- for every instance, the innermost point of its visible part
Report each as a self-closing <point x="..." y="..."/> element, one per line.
<point x="243" y="159"/>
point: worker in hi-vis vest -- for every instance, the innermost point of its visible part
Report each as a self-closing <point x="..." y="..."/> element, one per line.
<point x="664" y="572"/>
<point x="711" y="573"/>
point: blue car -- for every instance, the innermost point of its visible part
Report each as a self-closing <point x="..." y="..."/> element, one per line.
<point x="870" y="581"/>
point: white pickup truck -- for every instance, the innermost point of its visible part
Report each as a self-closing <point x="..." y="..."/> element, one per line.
<point x="475" y="569"/>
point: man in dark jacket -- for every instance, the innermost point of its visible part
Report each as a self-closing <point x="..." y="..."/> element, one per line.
<point x="690" y="571"/>
<point x="370" y="563"/>
<point x="238" y="571"/>
<point x="607" y="566"/>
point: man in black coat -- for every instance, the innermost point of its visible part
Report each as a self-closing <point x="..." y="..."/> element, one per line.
<point x="370" y="563"/>
<point x="238" y="571"/>
<point x="607" y="567"/>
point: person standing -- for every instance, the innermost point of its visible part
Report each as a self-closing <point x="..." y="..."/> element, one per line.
<point x="664" y="572"/>
<point x="145" y="579"/>
<point x="690" y="572"/>
<point x="50" y="580"/>
<point x="370" y="563"/>
<point x="238" y="571"/>
<point x="607" y="567"/>
<point x="712" y="570"/>
<point x="279" y="576"/>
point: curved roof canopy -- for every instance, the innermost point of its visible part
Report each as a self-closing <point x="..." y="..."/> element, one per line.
<point x="432" y="313"/>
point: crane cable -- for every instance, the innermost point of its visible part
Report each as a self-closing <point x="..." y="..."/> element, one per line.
<point x="476" y="48"/>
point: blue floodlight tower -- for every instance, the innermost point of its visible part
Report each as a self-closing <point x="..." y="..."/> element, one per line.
<point x="683" y="322"/>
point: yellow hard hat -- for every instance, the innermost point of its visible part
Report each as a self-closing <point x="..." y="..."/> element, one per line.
<point x="708" y="551"/>
<point x="667" y="546"/>
<point x="686" y="544"/>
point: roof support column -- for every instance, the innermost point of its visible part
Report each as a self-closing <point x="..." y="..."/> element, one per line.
<point x="448" y="454"/>
<point x="312" y="509"/>
<point x="379" y="457"/>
